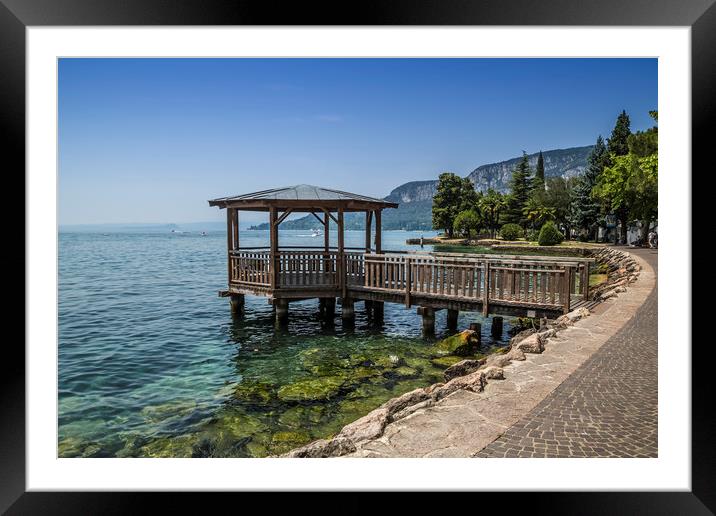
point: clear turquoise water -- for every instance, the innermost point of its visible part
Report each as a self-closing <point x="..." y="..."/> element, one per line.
<point x="151" y="362"/>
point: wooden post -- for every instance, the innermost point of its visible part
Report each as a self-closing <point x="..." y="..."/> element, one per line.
<point x="378" y="231"/>
<point x="273" y="236"/>
<point x="281" y="306"/>
<point x="347" y="308"/>
<point x="329" y="308"/>
<point x="566" y="288"/>
<point x="237" y="303"/>
<point x="408" y="280"/>
<point x="452" y="316"/>
<point x="236" y="229"/>
<point x="340" y="259"/>
<point x="585" y="281"/>
<point x="496" y="328"/>
<point x="368" y="224"/>
<point x="229" y="243"/>
<point x="378" y="311"/>
<point x="486" y="295"/>
<point x="326" y="235"/>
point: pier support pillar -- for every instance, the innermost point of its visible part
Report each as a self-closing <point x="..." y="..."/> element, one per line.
<point x="477" y="328"/>
<point x="496" y="328"/>
<point x="452" y="319"/>
<point x="347" y="309"/>
<point x="378" y="311"/>
<point x="368" y="306"/>
<point x="328" y="308"/>
<point x="428" y="319"/>
<point x="281" y="307"/>
<point x="237" y="303"/>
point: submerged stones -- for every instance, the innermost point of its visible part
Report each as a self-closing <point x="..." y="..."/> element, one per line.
<point x="312" y="389"/>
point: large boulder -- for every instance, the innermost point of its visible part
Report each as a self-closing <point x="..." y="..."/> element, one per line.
<point x="532" y="344"/>
<point x="324" y="448"/>
<point x="462" y="368"/>
<point x="474" y="382"/>
<point x="462" y="344"/>
<point x="369" y="426"/>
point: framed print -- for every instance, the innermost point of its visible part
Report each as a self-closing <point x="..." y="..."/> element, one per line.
<point x="346" y="254"/>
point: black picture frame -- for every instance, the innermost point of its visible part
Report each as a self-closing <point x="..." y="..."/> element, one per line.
<point x="17" y="15"/>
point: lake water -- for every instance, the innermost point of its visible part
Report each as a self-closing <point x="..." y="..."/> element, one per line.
<point x="152" y="364"/>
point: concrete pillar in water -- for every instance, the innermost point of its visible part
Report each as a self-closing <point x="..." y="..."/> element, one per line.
<point x="329" y="308"/>
<point x="347" y="310"/>
<point x="237" y="303"/>
<point x="428" y="315"/>
<point x="281" y="307"/>
<point x="496" y="329"/>
<point x="378" y="311"/>
<point x="368" y="306"/>
<point x="452" y="319"/>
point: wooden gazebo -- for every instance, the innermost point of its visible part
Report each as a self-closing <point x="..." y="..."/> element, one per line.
<point x="284" y="273"/>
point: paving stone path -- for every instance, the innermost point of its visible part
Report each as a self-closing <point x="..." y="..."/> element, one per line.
<point x="606" y="408"/>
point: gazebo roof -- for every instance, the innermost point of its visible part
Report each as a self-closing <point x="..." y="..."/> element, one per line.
<point x="302" y="198"/>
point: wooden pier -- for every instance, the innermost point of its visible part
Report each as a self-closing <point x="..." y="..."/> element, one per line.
<point x="533" y="286"/>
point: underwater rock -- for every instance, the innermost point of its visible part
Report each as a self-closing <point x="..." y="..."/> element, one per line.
<point x="180" y="446"/>
<point x="443" y="362"/>
<point x="253" y="391"/>
<point x="462" y="344"/>
<point x="315" y="389"/>
<point x="300" y="416"/>
<point x="173" y="409"/>
<point x="402" y="372"/>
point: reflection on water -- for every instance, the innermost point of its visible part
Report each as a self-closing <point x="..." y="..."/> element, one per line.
<point x="152" y="364"/>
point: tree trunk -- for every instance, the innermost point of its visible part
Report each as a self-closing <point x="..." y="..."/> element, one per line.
<point x="645" y="232"/>
<point x="623" y="239"/>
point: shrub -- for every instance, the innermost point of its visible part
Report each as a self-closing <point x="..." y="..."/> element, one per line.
<point x="532" y="235"/>
<point x="511" y="232"/>
<point x="550" y="235"/>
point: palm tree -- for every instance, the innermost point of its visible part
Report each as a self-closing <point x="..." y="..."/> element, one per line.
<point x="491" y="205"/>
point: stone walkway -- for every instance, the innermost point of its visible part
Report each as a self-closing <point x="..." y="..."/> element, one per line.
<point x="592" y="392"/>
<point x="606" y="408"/>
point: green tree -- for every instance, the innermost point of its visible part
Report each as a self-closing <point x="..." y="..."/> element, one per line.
<point x="491" y="206"/>
<point x="454" y="194"/>
<point x="468" y="223"/>
<point x="520" y="189"/>
<point x="539" y="180"/>
<point x="586" y="207"/>
<point x="560" y="198"/>
<point x="537" y="213"/>
<point x="618" y="143"/>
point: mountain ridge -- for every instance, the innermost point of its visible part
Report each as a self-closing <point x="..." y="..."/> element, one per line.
<point x="415" y="197"/>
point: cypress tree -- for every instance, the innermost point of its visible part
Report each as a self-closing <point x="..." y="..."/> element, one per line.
<point x="539" y="171"/>
<point x="586" y="206"/>
<point x="618" y="144"/>
<point x="520" y="188"/>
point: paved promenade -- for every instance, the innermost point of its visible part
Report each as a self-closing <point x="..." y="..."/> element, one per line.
<point x="593" y="392"/>
<point x="606" y="408"/>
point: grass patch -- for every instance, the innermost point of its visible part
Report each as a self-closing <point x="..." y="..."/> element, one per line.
<point x="597" y="279"/>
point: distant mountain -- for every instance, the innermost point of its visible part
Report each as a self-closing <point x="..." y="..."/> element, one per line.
<point x="416" y="197"/>
<point x="559" y="162"/>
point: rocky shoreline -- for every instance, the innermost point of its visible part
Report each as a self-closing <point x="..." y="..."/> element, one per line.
<point x="471" y="375"/>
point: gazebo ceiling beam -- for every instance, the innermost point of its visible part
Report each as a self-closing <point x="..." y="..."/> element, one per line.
<point x="284" y="215"/>
<point x="318" y="218"/>
<point x="330" y="215"/>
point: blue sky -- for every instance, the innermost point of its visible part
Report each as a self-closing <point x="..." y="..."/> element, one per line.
<point x="150" y="140"/>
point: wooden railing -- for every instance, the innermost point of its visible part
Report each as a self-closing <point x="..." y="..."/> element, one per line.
<point x="530" y="283"/>
<point x="541" y="282"/>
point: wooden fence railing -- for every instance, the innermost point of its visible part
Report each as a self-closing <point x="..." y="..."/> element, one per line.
<point x="539" y="282"/>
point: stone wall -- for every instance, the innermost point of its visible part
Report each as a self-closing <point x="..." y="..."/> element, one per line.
<point x="622" y="269"/>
